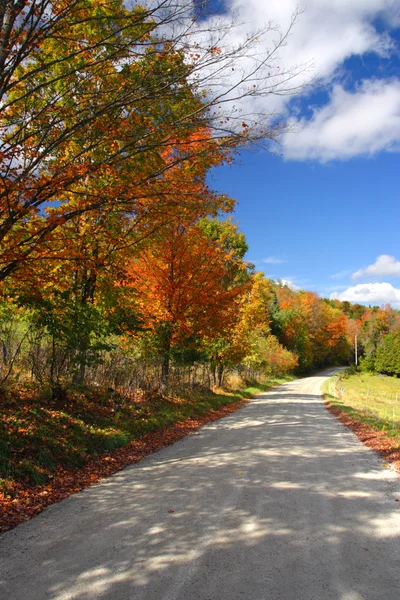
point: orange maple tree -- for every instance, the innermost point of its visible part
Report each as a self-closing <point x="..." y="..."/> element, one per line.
<point x="178" y="288"/>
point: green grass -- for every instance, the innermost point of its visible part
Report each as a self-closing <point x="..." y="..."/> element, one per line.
<point x="370" y="398"/>
<point x="39" y="437"/>
<point x="258" y="388"/>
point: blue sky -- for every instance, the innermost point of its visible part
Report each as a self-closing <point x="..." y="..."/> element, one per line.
<point x="325" y="214"/>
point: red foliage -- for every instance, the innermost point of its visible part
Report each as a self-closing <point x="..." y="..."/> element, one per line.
<point x="179" y="281"/>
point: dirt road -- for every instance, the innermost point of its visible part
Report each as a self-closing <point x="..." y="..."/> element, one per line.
<point x="275" y="502"/>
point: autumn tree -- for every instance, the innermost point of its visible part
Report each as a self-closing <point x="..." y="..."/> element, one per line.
<point x="252" y="343"/>
<point x="177" y="283"/>
<point x="223" y="348"/>
<point x="81" y="120"/>
<point x="375" y="324"/>
<point x="313" y="329"/>
<point x="79" y="261"/>
<point x="74" y="304"/>
<point x="266" y="356"/>
<point x="88" y="85"/>
<point x="293" y="326"/>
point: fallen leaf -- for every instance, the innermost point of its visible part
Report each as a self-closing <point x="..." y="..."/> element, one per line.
<point x="32" y="500"/>
<point x="171" y="511"/>
<point x="240" y="473"/>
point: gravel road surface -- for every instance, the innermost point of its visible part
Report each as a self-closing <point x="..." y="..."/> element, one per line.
<point x="278" y="501"/>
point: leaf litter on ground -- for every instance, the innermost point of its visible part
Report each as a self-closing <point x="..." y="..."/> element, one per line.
<point x="26" y="501"/>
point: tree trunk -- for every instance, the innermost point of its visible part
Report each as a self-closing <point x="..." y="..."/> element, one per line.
<point x="53" y="360"/>
<point x="79" y="375"/>
<point x="87" y="293"/>
<point x="213" y="374"/>
<point x="164" y="374"/>
<point x="166" y="355"/>
<point x="220" y="374"/>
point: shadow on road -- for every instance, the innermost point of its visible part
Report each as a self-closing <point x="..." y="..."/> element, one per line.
<point x="278" y="501"/>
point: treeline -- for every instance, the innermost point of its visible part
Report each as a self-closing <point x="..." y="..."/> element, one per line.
<point x="376" y="332"/>
<point x="184" y="310"/>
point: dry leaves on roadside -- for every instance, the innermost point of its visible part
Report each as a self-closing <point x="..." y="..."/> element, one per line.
<point x="27" y="501"/>
<point x="378" y="440"/>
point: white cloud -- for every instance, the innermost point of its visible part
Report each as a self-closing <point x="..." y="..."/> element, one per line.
<point x="370" y="293"/>
<point x="327" y="33"/>
<point x="273" y="260"/>
<point x="384" y="265"/>
<point x="362" y="122"/>
<point x="290" y="284"/>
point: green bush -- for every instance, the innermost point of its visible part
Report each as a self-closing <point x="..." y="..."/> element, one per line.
<point x="388" y="355"/>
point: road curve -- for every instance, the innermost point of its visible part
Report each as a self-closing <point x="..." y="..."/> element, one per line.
<point x="278" y="501"/>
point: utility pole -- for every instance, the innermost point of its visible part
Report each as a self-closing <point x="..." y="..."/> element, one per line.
<point x="355" y="349"/>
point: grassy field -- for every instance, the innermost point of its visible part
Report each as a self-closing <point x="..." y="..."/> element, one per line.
<point x="39" y="436"/>
<point x="371" y="398"/>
